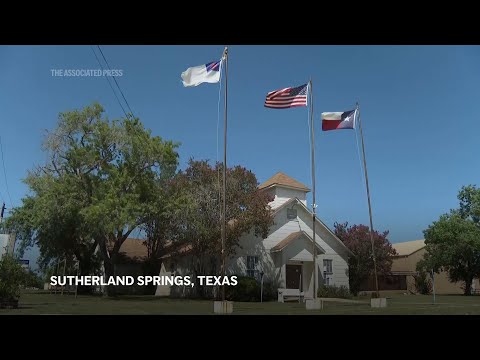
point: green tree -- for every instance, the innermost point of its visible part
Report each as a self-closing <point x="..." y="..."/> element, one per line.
<point x="12" y="275"/>
<point x="453" y="241"/>
<point x="423" y="284"/>
<point x="95" y="189"/>
<point x="32" y="279"/>
<point x="163" y="224"/>
<point x="469" y="197"/>
<point x="247" y="211"/>
<point x="50" y="216"/>
<point x="360" y="266"/>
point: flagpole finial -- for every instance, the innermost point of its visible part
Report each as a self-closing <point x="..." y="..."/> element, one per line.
<point x="225" y="52"/>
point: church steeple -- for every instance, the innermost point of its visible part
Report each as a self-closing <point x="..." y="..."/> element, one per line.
<point x="284" y="188"/>
<point x="281" y="179"/>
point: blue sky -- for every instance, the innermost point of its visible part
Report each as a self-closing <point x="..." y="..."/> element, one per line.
<point x="418" y="106"/>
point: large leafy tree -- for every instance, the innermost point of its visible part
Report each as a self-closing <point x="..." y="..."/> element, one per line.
<point x="163" y="224"/>
<point x="247" y="211"/>
<point x="96" y="187"/>
<point x="50" y="215"/>
<point x="360" y="266"/>
<point x="453" y="241"/>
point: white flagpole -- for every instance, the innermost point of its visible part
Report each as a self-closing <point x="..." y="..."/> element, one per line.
<point x="224" y="212"/>
<point x="312" y="134"/>
<point x="369" y="205"/>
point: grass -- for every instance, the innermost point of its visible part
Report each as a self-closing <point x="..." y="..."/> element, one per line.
<point x="44" y="303"/>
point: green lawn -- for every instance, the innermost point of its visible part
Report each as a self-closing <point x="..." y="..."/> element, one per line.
<point x="43" y="303"/>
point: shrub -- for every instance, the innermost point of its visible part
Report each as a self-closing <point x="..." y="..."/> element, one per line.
<point x="270" y="290"/>
<point x="247" y="289"/>
<point x="12" y="276"/>
<point x="423" y="285"/>
<point x="332" y="291"/>
<point x="32" y="280"/>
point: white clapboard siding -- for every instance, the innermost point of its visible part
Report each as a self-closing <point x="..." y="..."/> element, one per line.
<point x="282" y="195"/>
<point x="323" y="236"/>
<point x="339" y="267"/>
<point x="283" y="227"/>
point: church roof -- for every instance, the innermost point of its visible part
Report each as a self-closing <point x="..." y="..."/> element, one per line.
<point x="281" y="179"/>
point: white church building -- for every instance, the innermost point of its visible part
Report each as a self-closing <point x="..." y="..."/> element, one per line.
<point x="285" y="256"/>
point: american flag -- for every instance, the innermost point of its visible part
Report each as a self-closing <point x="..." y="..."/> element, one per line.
<point x="287" y="98"/>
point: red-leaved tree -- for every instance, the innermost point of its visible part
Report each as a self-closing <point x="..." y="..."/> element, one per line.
<point x="360" y="266"/>
<point x="247" y="211"/>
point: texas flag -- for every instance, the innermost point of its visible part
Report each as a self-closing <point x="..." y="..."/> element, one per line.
<point x="207" y="73"/>
<point x="338" y="120"/>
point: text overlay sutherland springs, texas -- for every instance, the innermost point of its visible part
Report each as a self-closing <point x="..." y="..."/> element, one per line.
<point x="203" y="280"/>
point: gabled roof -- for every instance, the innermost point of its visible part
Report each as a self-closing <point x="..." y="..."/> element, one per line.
<point x="280" y="179"/>
<point x="285" y="204"/>
<point x="134" y="248"/>
<point x="408" y="247"/>
<point x="297" y="200"/>
<point x="291" y="238"/>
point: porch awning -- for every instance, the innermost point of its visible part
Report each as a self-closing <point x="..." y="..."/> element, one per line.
<point x="292" y="238"/>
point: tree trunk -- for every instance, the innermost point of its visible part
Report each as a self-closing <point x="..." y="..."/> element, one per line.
<point x="468" y="286"/>
<point x="109" y="271"/>
<point x="85" y="265"/>
<point x="108" y="264"/>
<point x="151" y="267"/>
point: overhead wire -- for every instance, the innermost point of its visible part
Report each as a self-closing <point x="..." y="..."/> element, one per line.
<point x="109" y="83"/>
<point x="114" y="79"/>
<point x="5" y="175"/>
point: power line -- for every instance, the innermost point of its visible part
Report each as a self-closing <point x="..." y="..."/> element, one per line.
<point x="5" y="175"/>
<point x="109" y="83"/>
<point x="1" y="196"/>
<point x="114" y="79"/>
